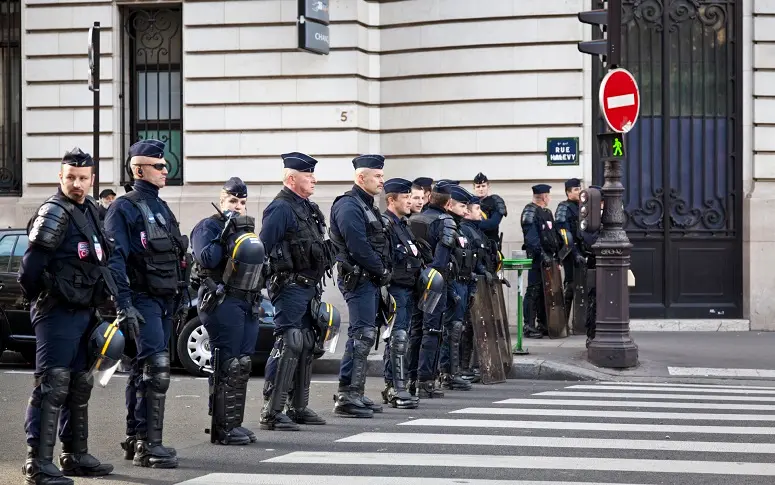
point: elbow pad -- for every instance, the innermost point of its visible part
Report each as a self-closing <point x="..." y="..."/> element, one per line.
<point x="448" y="232"/>
<point x="49" y="228"/>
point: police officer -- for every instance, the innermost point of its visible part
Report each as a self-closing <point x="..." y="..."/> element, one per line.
<point x="541" y="243"/>
<point x="436" y="231"/>
<point x="588" y="239"/>
<point x="486" y="267"/>
<point x="232" y="323"/>
<point x="364" y="265"/>
<point x="407" y="264"/>
<point x="567" y="218"/>
<point x="67" y="248"/>
<point x="293" y="233"/>
<point x="107" y="197"/>
<point x="457" y="294"/>
<point x="493" y="208"/>
<point x="151" y="267"/>
<point x="424" y="184"/>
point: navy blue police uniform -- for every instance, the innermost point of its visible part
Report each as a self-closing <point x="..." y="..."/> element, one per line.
<point x="493" y="211"/>
<point x="64" y="273"/>
<point x="407" y="264"/>
<point x="293" y="233"/>
<point x="457" y="300"/>
<point x="541" y="244"/>
<point x="151" y="267"/>
<point x="566" y="218"/>
<point x="232" y="323"/>
<point x="436" y="233"/>
<point x="588" y="239"/>
<point x="485" y="265"/>
<point x="363" y="257"/>
<point x="425" y="183"/>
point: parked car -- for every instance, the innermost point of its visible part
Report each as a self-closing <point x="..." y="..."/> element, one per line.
<point x="189" y="342"/>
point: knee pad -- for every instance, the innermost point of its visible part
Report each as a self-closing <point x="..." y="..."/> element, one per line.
<point x="80" y="387"/>
<point x="231" y="372"/>
<point x="363" y="340"/>
<point x="246" y="366"/>
<point x="308" y="339"/>
<point x="398" y="341"/>
<point x="293" y="341"/>
<point x="156" y="373"/>
<point x="54" y="385"/>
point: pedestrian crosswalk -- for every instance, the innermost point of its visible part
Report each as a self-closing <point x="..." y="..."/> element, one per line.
<point x="607" y="433"/>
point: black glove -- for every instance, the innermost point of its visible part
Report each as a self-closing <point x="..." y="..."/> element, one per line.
<point x="547" y="259"/>
<point x="506" y="282"/>
<point x="488" y="277"/>
<point x="580" y="260"/>
<point x="384" y="278"/>
<point x="129" y="321"/>
<point x="229" y="227"/>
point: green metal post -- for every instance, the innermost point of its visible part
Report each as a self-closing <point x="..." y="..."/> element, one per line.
<point x="518" y="350"/>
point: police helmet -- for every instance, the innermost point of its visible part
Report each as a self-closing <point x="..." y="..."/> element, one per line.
<point x="431" y="287"/>
<point x="245" y="259"/>
<point x="106" y="346"/>
<point x="327" y="320"/>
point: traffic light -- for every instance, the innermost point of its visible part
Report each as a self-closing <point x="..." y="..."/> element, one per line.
<point x="609" y="21"/>
<point x="589" y="213"/>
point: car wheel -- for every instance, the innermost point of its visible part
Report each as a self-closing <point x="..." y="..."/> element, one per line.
<point x="194" y="347"/>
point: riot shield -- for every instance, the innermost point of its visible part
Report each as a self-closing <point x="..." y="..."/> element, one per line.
<point x="580" y="299"/>
<point x="502" y="324"/>
<point x="556" y="321"/>
<point x="486" y="336"/>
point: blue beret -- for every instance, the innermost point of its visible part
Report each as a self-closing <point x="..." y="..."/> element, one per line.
<point x="299" y="162"/>
<point x="147" y="148"/>
<point x="541" y="189"/>
<point x="596" y="187"/>
<point x="77" y="158"/>
<point x="424" y="182"/>
<point x="574" y="182"/>
<point x="481" y="178"/>
<point x="236" y="187"/>
<point x="397" y="186"/>
<point x="459" y="194"/>
<point x="369" y="161"/>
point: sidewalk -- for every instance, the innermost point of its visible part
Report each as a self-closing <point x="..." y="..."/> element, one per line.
<point x="677" y="356"/>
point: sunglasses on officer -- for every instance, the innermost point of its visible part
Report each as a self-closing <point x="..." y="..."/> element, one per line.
<point x="157" y="166"/>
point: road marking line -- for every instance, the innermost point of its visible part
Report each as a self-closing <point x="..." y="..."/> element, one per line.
<point x="621" y="101"/>
<point x="638" y="395"/>
<point x="274" y="479"/>
<point x="585" y="426"/>
<point x="671" y="384"/>
<point x="719" y="372"/>
<point x="579" y="413"/>
<point x="639" y="404"/>
<point x="555" y="442"/>
<point x="670" y="389"/>
<point x="525" y="462"/>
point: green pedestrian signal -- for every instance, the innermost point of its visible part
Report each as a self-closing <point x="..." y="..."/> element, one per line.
<point x="618" y="147"/>
<point x="611" y="145"/>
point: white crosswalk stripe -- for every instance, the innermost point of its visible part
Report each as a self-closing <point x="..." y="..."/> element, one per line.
<point x="607" y="433"/>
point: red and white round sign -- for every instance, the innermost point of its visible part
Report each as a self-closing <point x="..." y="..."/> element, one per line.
<point x="619" y="100"/>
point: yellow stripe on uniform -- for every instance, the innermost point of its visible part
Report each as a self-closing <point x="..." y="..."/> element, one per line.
<point x="564" y="236"/>
<point x="431" y="274"/>
<point x="239" y="241"/>
<point x="484" y="216"/>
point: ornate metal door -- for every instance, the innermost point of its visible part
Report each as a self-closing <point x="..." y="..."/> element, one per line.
<point x="152" y="88"/>
<point x="683" y="176"/>
<point x="10" y="98"/>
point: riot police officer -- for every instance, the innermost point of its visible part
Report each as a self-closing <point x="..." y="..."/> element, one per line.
<point x="407" y="264"/>
<point x="64" y="273"/>
<point x="230" y="258"/>
<point x="588" y="239"/>
<point x="493" y="209"/>
<point x="542" y="244"/>
<point x="151" y="267"/>
<point x="364" y="265"/>
<point x="424" y="184"/>
<point x="293" y="233"/>
<point x="567" y="218"/>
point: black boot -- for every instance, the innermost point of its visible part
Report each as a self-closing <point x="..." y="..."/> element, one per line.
<point x="298" y="410"/>
<point x="276" y="391"/>
<point x="40" y="470"/>
<point x="350" y="400"/>
<point x="397" y="394"/>
<point x="76" y="461"/>
<point x="453" y="380"/>
<point x="129" y="443"/>
<point x="427" y="390"/>
<point x="224" y="409"/>
<point x="246" y="367"/>
<point x="149" y="452"/>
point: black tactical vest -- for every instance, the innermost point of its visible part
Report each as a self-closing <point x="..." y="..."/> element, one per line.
<point x="481" y="246"/>
<point x="304" y="250"/>
<point x="164" y="267"/>
<point x="76" y="282"/>
<point x="550" y="239"/>
<point x="463" y="254"/>
<point x="419" y="225"/>
<point x="376" y="233"/>
<point x="407" y="258"/>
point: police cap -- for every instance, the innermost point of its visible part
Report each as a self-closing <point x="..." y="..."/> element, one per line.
<point x="106" y="193"/>
<point x="77" y="158"/>
<point x="397" y="186"/>
<point x="459" y="194"/>
<point x="571" y="183"/>
<point x="369" y="161"/>
<point x="481" y="178"/>
<point x="443" y="184"/>
<point x="299" y="162"/>
<point x="147" y="148"/>
<point x="541" y="189"/>
<point x="474" y="200"/>
<point x="236" y="187"/>
<point x="424" y="182"/>
<point x="596" y="187"/>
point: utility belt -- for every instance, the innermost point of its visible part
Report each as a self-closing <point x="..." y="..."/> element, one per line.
<point x="278" y="281"/>
<point x="215" y="293"/>
<point x="353" y="275"/>
<point x="248" y="296"/>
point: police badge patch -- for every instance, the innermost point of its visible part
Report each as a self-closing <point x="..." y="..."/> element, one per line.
<point x="144" y="240"/>
<point x="83" y="250"/>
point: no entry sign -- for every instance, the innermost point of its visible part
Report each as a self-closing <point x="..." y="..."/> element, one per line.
<point x="619" y="100"/>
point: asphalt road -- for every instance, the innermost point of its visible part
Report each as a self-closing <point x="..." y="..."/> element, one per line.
<point x="550" y="433"/>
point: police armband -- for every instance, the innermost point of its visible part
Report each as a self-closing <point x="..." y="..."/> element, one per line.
<point x="562" y="213"/>
<point x="49" y="227"/>
<point x="529" y="215"/>
<point x="448" y="232"/>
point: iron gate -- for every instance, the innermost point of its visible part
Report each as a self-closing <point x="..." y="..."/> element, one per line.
<point x="152" y="84"/>
<point x="683" y="176"/>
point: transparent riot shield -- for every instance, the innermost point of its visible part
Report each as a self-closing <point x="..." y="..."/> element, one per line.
<point x="502" y="322"/>
<point x="486" y="335"/>
<point x="556" y="320"/>
<point x="580" y="299"/>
